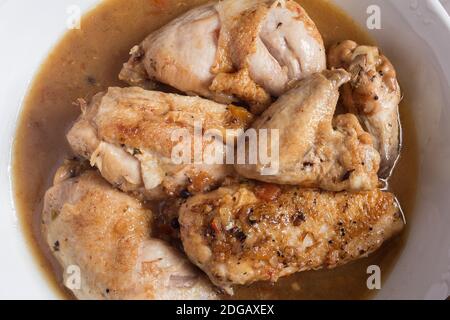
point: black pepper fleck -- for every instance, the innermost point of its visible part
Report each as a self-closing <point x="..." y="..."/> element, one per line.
<point x="185" y="194"/>
<point x="91" y="80"/>
<point x="238" y="234"/>
<point x="175" y="224"/>
<point x="56" y="246"/>
<point x="298" y="219"/>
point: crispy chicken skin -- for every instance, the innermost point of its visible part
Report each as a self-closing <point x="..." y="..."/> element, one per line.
<point x="107" y="235"/>
<point x="247" y="50"/>
<point x="247" y="233"/>
<point x="373" y="94"/>
<point x="315" y="148"/>
<point x="128" y="134"/>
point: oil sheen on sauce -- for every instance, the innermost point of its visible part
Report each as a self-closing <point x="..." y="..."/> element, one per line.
<point x="88" y="61"/>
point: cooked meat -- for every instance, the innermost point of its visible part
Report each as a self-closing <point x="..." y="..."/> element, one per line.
<point x="245" y="50"/>
<point x="107" y="235"/>
<point x="315" y="149"/>
<point x="130" y="134"/>
<point x="247" y="233"/>
<point x="373" y="94"/>
<point x="179" y="54"/>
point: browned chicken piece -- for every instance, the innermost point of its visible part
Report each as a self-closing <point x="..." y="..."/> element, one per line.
<point x="107" y="236"/>
<point x="315" y="148"/>
<point x="130" y="135"/>
<point x="247" y="233"/>
<point x="247" y="50"/>
<point x="373" y="94"/>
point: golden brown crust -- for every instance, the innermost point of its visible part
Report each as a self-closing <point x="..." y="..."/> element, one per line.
<point x="108" y="236"/>
<point x="357" y="93"/>
<point x="146" y="119"/>
<point x="240" y="234"/>
<point x="85" y="230"/>
<point x="315" y="149"/>
<point x="129" y="134"/>
<point x="231" y="66"/>
<point x="239" y="42"/>
<point x="241" y="85"/>
<point x="373" y="94"/>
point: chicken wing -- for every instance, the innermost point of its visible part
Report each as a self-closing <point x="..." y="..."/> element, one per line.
<point x="246" y="50"/>
<point x="247" y="233"/>
<point x="107" y="235"/>
<point x="315" y="149"/>
<point x="128" y="134"/>
<point x="373" y="94"/>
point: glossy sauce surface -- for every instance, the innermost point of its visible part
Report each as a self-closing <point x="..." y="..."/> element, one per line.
<point x="88" y="61"/>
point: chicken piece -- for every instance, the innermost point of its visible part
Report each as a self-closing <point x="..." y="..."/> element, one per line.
<point x="179" y="54"/>
<point x="247" y="233"/>
<point x="107" y="235"/>
<point x="373" y="94"/>
<point x="314" y="149"/>
<point x="247" y="50"/>
<point x="131" y="136"/>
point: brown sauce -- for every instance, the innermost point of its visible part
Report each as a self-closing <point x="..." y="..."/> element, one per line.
<point x="87" y="61"/>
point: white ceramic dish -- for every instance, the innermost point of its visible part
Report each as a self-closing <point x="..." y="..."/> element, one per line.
<point x="415" y="34"/>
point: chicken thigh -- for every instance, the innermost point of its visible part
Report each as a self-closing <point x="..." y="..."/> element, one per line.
<point x="314" y="148"/>
<point x="373" y="94"/>
<point x="247" y="233"/>
<point x="107" y="236"/>
<point x="131" y="136"/>
<point x="247" y="50"/>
